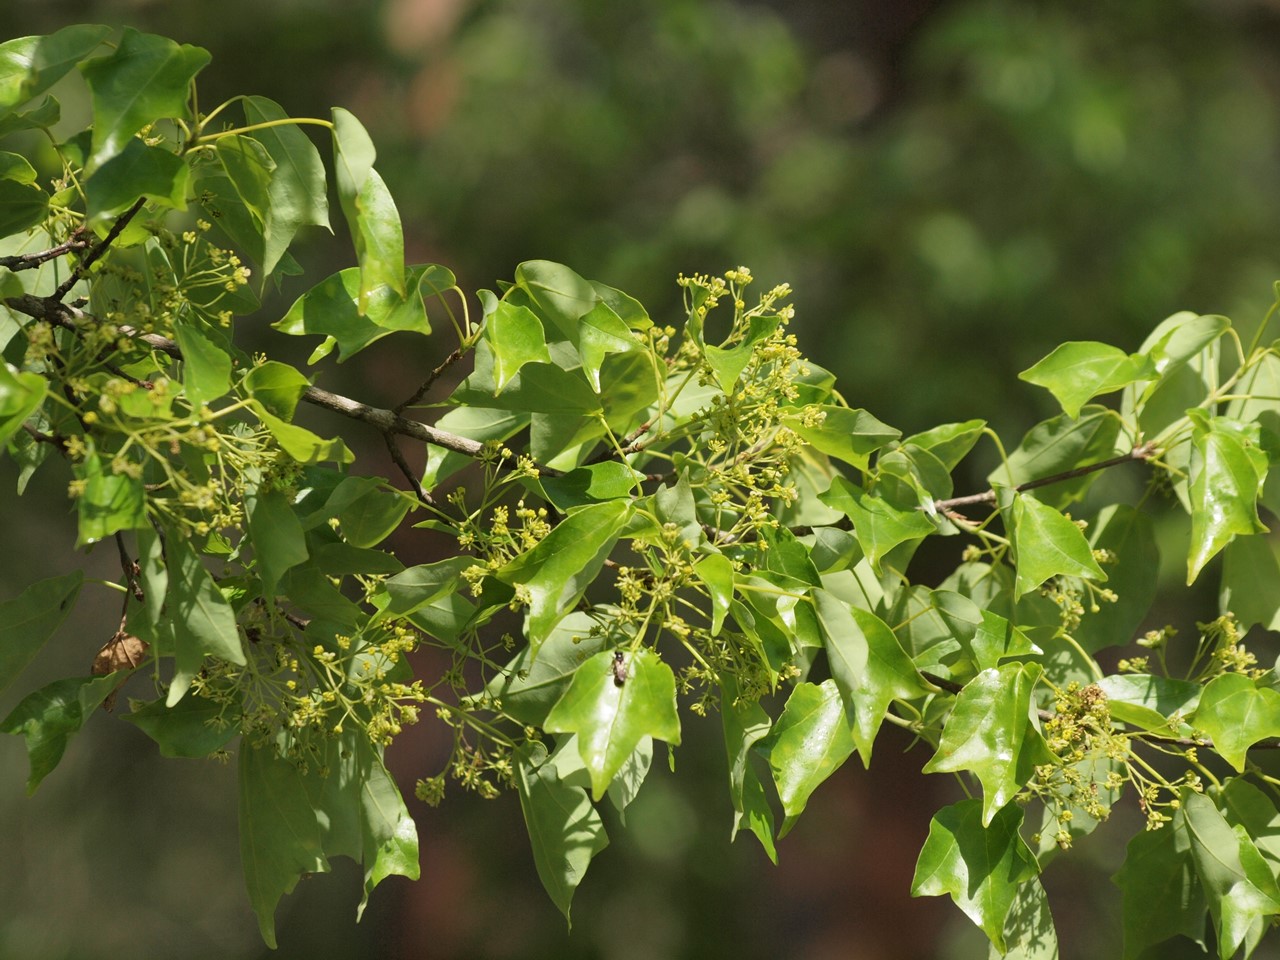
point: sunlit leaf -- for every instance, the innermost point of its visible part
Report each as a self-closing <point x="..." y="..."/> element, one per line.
<point x="980" y="863"/>
<point x="515" y="336"/>
<point x="146" y="78"/>
<point x="564" y="827"/>
<point x="1227" y="471"/>
<point x="848" y="435"/>
<point x="810" y="740"/>
<point x="1077" y="371"/>
<point x="370" y="212"/>
<point x="878" y="525"/>
<point x="1147" y="701"/>
<point x="528" y="687"/>
<point x="1236" y="713"/>
<point x="206" y="373"/>
<point x="990" y="732"/>
<point x="1047" y="544"/>
<point x="204" y="624"/>
<point x="31" y="65"/>
<point x="1057" y="445"/>
<point x="611" y="717"/>
<point x="21" y="394"/>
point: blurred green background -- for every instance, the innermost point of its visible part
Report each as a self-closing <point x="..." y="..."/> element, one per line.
<point x="952" y="187"/>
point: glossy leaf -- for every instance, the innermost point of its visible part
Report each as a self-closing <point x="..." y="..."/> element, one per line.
<point x="1147" y="701"/>
<point x="745" y="724"/>
<point x="528" y="687"/>
<point x="31" y="65"/>
<point x="868" y="664"/>
<point x="878" y="525"/>
<point x="146" y="78"/>
<point x="301" y="444"/>
<point x="716" y="573"/>
<point x="49" y="717"/>
<point x="537" y="388"/>
<point x="565" y="829"/>
<point x="601" y="332"/>
<point x="277" y="386"/>
<point x="369" y="210"/>
<point x="1057" y="445"/>
<point x="559" y="569"/>
<point x="1162" y="893"/>
<point x="559" y="296"/>
<point x="990" y="732"/>
<point x="40" y="117"/>
<point x="610" y="718"/>
<point x="592" y="483"/>
<point x="109" y="502"/>
<point x="276" y="534"/>
<point x="1182" y="336"/>
<point x="204" y="623"/>
<point x="206" y="373"/>
<point x="296" y="194"/>
<point x="949" y="442"/>
<point x="810" y="740"/>
<point x="1238" y="885"/>
<point x="280" y="838"/>
<point x="1047" y="545"/>
<point x="727" y="363"/>
<point x="136" y="171"/>
<point x="1029" y="933"/>
<point x="332" y="309"/>
<point x="1236" y="713"/>
<point x="515" y="336"/>
<point x="1227" y="472"/>
<point x="848" y="435"/>
<point x="21" y="394"/>
<point x="980" y="863"/>
<point x="31" y="618"/>
<point x="193" y="727"/>
<point x="1129" y="535"/>
<point x="1077" y="371"/>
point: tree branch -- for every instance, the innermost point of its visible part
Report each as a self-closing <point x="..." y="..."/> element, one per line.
<point x="421" y="392"/>
<point x="83" y="266"/>
<point x="79" y="240"/>
<point x="1144" y="451"/>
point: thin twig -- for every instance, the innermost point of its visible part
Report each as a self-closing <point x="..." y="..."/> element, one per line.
<point x="393" y="448"/>
<point x="1144" y="451"/>
<point x="421" y="392"/>
<point x="83" y="266"/>
<point x="79" y="240"/>
<point x="630" y="444"/>
<point x="131" y="570"/>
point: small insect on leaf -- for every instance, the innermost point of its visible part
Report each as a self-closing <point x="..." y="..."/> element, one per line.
<point x="619" y="667"/>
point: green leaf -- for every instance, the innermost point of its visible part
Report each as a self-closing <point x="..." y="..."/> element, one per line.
<point x="515" y="336"/>
<point x="809" y="742"/>
<point x="372" y="517"/>
<point x="1251" y="583"/>
<point x="991" y="733"/>
<point x="610" y="718"/>
<point x="332" y="309"/>
<point x="204" y="623"/>
<point x="16" y="168"/>
<point x="1227" y="471"/>
<point x="30" y="619"/>
<point x="369" y="210"/>
<point x="479" y="424"/>
<point x="206" y="372"/>
<point x="21" y="394"/>
<point x="601" y="332"/>
<point x="146" y="78"/>
<point x="22" y="206"/>
<point x="1148" y="701"/>
<point x="303" y="445"/>
<point x="418" y="586"/>
<point x="949" y="442"/>
<point x="997" y="638"/>
<point x="40" y="117"/>
<point x="559" y="569"/>
<point x="1029" y="933"/>
<point x="878" y="526"/>
<point x="276" y="534"/>
<point x="1057" y="445"/>
<point x="1047" y="544"/>
<point x="31" y="65"/>
<point x="1162" y="894"/>
<point x="745" y="724"/>
<point x="280" y="837"/>
<point x="277" y="386"/>
<point x="592" y="483"/>
<point x="1244" y="805"/>
<point x="1180" y="337"/>
<point x="109" y="502"/>
<point x="1237" y="882"/>
<point x="1077" y="371"/>
<point x="296" y="194"/>
<point x="716" y="573"/>
<point x="193" y="727"/>
<point x="848" y="435"/>
<point x="537" y="388"/>
<point x="1129" y="535"/>
<point x="1236" y="713"/>
<point x="136" y="171"/>
<point x="528" y="687"/>
<point x="49" y="717"/>
<point x="559" y="296"/>
<point x="979" y="862"/>
<point x="868" y="664"/>
<point x="626" y="785"/>
<point x="565" y="829"/>
<point x="727" y="363"/>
